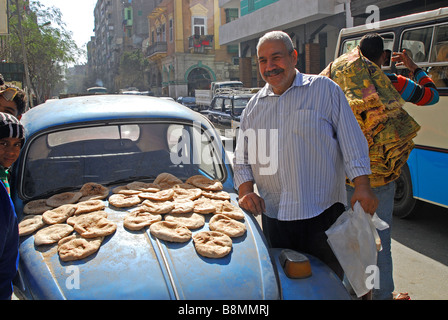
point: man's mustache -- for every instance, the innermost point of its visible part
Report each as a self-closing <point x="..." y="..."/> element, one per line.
<point x="273" y="72"/>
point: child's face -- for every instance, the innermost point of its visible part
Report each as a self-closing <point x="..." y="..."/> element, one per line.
<point x="7" y="106"/>
<point x="9" y="151"/>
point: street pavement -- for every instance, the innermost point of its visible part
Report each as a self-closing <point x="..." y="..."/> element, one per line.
<point x="420" y="253"/>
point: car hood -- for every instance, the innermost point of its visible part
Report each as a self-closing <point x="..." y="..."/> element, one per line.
<point x="136" y="265"/>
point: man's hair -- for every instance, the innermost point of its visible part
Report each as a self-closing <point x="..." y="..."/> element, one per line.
<point x="277" y="35"/>
<point x="19" y="99"/>
<point x="372" y="46"/>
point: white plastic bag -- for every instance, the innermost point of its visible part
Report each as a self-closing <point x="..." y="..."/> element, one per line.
<point x="355" y="242"/>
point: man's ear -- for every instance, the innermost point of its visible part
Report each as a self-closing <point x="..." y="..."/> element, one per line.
<point x="295" y="55"/>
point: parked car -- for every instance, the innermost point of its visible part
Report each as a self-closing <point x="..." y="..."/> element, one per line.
<point x="189" y="102"/>
<point x="114" y="140"/>
<point x="225" y="110"/>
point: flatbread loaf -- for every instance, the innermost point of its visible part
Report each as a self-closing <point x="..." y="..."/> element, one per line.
<point x="74" y="219"/>
<point x="218" y="195"/>
<point x="138" y="218"/>
<point x="212" y="244"/>
<point x="93" y="191"/>
<point x="167" y="180"/>
<point x="205" y="183"/>
<point x="59" y="214"/>
<point x="228" y="209"/>
<point x="94" y="226"/>
<point x="204" y="205"/>
<point x="189" y="194"/>
<point x="226" y="225"/>
<point x="170" y="231"/>
<point x="143" y="186"/>
<point x="124" y="200"/>
<point x="89" y="206"/>
<point x="52" y="234"/>
<point x="75" y="247"/>
<point x="191" y="220"/>
<point x="125" y="190"/>
<point x="36" y="207"/>
<point x="163" y="195"/>
<point x="63" y="198"/>
<point x="29" y="224"/>
<point x="182" y="206"/>
<point x="157" y="207"/>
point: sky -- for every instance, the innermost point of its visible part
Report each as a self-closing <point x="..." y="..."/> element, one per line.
<point x="78" y="17"/>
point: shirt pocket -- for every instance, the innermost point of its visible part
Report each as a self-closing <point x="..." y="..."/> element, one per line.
<point x="308" y="123"/>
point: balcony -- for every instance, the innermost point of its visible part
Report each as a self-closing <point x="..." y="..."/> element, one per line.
<point x="157" y="50"/>
<point x="200" y="43"/>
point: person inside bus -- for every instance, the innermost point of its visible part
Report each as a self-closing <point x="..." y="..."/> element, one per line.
<point x="377" y="104"/>
<point x="420" y="91"/>
<point x="439" y="74"/>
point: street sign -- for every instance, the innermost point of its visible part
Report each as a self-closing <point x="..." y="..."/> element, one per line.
<point x="3" y="17"/>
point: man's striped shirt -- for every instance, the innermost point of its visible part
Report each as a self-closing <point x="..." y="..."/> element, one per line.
<point x="300" y="147"/>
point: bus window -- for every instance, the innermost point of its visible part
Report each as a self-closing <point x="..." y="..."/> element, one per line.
<point x="388" y="40"/>
<point x="439" y="56"/>
<point x="349" y="45"/>
<point x="417" y="42"/>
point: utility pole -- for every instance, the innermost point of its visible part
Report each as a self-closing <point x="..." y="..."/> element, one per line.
<point x="25" y="59"/>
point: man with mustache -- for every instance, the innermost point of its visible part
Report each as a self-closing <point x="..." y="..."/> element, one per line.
<point x="319" y="143"/>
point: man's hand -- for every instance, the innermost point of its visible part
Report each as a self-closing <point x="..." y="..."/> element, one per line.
<point x="402" y="59"/>
<point x="249" y="200"/>
<point x="364" y="195"/>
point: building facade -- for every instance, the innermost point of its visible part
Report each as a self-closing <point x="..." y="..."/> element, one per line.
<point x="183" y="48"/>
<point x="313" y="26"/>
<point x="120" y="26"/>
<point x="189" y="43"/>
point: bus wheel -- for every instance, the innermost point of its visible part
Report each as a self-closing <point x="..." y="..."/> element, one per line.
<point x="404" y="201"/>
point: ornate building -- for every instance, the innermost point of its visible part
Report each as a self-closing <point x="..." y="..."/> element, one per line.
<point x="183" y="48"/>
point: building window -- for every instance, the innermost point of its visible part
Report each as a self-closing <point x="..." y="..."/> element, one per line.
<point x="171" y="30"/>
<point x="231" y="14"/>
<point x="163" y="32"/>
<point x="251" y="5"/>
<point x="199" y="26"/>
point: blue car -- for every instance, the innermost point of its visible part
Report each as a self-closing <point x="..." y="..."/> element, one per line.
<point x="114" y="140"/>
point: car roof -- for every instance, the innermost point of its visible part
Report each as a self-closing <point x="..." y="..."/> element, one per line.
<point x="103" y="107"/>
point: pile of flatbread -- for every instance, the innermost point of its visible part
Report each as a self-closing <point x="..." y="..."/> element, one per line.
<point x="169" y="207"/>
<point x="76" y="221"/>
<point x="172" y="208"/>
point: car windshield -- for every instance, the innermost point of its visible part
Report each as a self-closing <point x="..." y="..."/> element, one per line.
<point x="239" y="105"/>
<point x="120" y="153"/>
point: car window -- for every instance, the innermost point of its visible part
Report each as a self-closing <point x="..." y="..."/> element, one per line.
<point x="218" y="104"/>
<point x="131" y="132"/>
<point x="239" y="105"/>
<point x="228" y="105"/>
<point x="110" y="154"/>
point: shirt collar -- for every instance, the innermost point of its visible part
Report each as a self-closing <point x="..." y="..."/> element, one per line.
<point x="299" y="81"/>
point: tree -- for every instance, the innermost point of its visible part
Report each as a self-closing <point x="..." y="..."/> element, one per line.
<point x="49" y="47"/>
<point x="131" y="70"/>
